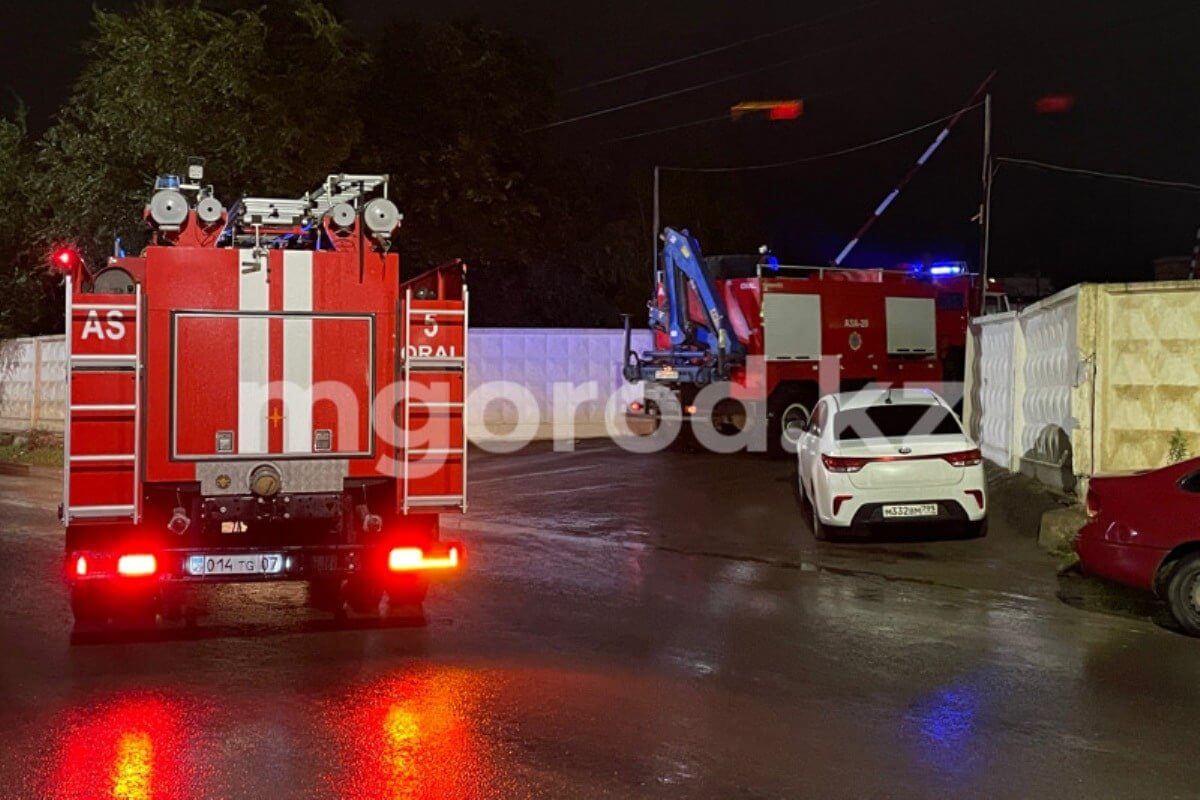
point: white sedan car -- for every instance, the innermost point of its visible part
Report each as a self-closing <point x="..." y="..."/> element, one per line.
<point x="882" y="457"/>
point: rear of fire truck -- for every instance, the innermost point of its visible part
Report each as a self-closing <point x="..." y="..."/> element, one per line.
<point x="259" y="397"/>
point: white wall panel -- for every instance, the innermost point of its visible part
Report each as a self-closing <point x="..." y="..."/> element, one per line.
<point x="1050" y="372"/>
<point x="16" y="384"/>
<point x="538" y="360"/>
<point x="995" y="388"/>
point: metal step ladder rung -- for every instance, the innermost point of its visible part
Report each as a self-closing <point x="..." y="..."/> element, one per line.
<point x="102" y="512"/>
<point x="437" y="501"/>
<point x="96" y="458"/>
<point x="105" y="363"/>
<point x="104" y="307"/>
<point x="431" y="364"/>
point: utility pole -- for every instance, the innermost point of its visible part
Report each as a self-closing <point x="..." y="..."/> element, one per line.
<point x="656" y="227"/>
<point x="985" y="212"/>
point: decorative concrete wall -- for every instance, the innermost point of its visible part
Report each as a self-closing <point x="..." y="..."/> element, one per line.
<point x="989" y="393"/>
<point x="32" y="383"/>
<point x="512" y="375"/>
<point x="1092" y="380"/>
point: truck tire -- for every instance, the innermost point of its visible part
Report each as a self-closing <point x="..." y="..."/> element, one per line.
<point x="363" y="595"/>
<point x="88" y="608"/>
<point x="325" y="594"/>
<point x="407" y="592"/>
<point x="95" y="607"/>
<point x="787" y="402"/>
<point x="1183" y="593"/>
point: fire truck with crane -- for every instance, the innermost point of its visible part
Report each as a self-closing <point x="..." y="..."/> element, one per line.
<point x="775" y="338"/>
<point x="259" y="396"/>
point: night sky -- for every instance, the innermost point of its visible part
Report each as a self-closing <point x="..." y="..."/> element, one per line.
<point x="878" y="68"/>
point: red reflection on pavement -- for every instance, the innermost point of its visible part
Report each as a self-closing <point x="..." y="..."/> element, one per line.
<point x="411" y="737"/>
<point x="128" y="749"/>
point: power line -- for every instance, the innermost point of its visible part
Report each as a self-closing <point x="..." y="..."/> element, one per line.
<point x="691" y="124"/>
<point x="831" y="154"/>
<point x="722" y="48"/>
<point x="1030" y="163"/>
<point x="808" y="97"/>
<point x="737" y="75"/>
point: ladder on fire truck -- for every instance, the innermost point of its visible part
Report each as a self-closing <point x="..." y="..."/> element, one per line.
<point x="101" y="434"/>
<point x="442" y="375"/>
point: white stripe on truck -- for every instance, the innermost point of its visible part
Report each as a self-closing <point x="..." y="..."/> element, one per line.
<point x="297" y="352"/>
<point x="253" y="354"/>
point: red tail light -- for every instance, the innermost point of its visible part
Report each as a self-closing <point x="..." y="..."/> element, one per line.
<point x="137" y="565"/>
<point x="977" y="494"/>
<point x="414" y="559"/>
<point x="966" y="458"/>
<point x="81" y="566"/>
<point x="635" y="407"/>
<point x="838" y="500"/>
<point x="844" y="463"/>
<point x="1092" y="504"/>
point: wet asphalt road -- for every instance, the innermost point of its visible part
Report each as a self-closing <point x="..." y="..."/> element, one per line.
<point x="628" y="626"/>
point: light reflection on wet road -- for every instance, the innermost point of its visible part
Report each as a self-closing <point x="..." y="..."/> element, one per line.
<point x="603" y="646"/>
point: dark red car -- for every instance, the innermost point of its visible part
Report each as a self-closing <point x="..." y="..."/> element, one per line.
<point x="1143" y="530"/>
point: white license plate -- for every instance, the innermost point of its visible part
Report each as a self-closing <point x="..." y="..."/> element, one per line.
<point x="666" y="374"/>
<point x="243" y="564"/>
<point x="911" y="510"/>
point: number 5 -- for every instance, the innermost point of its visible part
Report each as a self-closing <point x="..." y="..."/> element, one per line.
<point x="431" y="326"/>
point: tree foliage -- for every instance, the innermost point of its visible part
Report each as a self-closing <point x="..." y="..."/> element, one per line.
<point x="446" y="108"/>
<point x="26" y="289"/>
<point x="277" y="95"/>
<point x="244" y="89"/>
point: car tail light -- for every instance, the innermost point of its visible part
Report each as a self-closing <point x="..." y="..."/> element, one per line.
<point x="1092" y="504"/>
<point x="414" y="559"/>
<point x="81" y="566"/>
<point x="843" y="463"/>
<point x="838" y="500"/>
<point x="965" y="458"/>
<point x="635" y="407"/>
<point x="137" y="565"/>
<point x="978" y="495"/>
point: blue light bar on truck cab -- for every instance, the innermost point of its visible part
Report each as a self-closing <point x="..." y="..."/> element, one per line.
<point x="948" y="268"/>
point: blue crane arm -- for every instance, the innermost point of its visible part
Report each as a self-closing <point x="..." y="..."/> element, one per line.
<point x="681" y="263"/>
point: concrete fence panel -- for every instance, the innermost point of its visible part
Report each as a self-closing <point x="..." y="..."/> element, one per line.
<point x="32" y="383"/>
<point x="513" y="376"/>
<point x="1095" y="379"/>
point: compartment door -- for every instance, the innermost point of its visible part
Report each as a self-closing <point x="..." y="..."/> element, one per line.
<point x="280" y="384"/>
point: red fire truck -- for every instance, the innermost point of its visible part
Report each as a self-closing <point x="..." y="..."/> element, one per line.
<point x="258" y="396"/>
<point x="775" y="338"/>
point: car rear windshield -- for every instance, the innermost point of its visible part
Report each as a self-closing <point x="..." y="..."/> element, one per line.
<point x="873" y="422"/>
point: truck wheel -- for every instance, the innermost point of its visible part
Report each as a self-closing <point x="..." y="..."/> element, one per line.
<point x="325" y="594"/>
<point x="363" y="596"/>
<point x="407" y="592"/>
<point x="784" y="411"/>
<point x="1183" y="594"/>
<point x="88" y="608"/>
